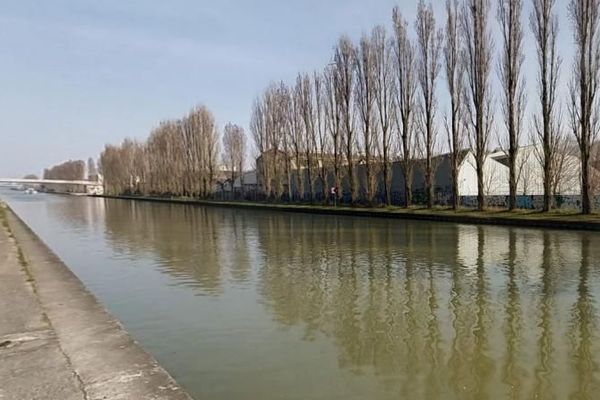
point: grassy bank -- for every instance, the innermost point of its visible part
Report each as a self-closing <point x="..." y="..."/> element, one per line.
<point x="523" y="218"/>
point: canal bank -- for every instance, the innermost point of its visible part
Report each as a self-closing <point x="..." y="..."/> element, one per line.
<point x="56" y="340"/>
<point x="524" y="219"/>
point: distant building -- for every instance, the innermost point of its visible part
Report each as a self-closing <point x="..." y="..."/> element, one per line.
<point x="530" y="174"/>
<point x="248" y="182"/>
<point x="245" y="187"/>
<point x="496" y="176"/>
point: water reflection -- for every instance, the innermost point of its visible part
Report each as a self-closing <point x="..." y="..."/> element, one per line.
<point x="197" y="245"/>
<point x="438" y="309"/>
<point x="419" y="310"/>
<point x="513" y="324"/>
<point x="582" y="330"/>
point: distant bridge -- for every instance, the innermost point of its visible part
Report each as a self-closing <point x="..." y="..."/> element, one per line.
<point x="47" y="181"/>
<point x="89" y="187"/>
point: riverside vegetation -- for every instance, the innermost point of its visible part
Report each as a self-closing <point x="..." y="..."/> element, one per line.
<point x="377" y="102"/>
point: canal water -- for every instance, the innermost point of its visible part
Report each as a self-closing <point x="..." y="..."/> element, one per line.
<point x="241" y="304"/>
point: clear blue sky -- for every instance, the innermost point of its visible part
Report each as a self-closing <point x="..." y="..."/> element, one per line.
<point x="76" y="74"/>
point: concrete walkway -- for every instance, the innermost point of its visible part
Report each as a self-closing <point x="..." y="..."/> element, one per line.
<point x="56" y="341"/>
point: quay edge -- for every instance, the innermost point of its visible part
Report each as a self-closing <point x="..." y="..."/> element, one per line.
<point x="105" y="361"/>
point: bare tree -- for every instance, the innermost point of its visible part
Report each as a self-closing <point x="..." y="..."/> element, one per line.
<point x="333" y="113"/>
<point x="544" y="24"/>
<point x="262" y="145"/>
<point x="200" y="143"/>
<point x="406" y="87"/>
<point x="526" y="172"/>
<point x="565" y="168"/>
<point x="309" y="118"/>
<point x="287" y="132"/>
<point x="585" y="17"/>
<point x="320" y="131"/>
<point x="513" y="106"/>
<point x="279" y="104"/>
<point x="109" y="161"/>
<point x="165" y="149"/>
<point x="429" y="47"/>
<point x="297" y="135"/>
<point x="179" y="158"/>
<point x="455" y="69"/>
<point x="271" y="130"/>
<point x="139" y="167"/>
<point x="243" y="149"/>
<point x="192" y="154"/>
<point x="121" y="166"/>
<point x="365" y="103"/>
<point x="204" y="122"/>
<point x="344" y="88"/>
<point x="234" y="149"/>
<point x="163" y="152"/>
<point x="384" y="101"/>
<point x="478" y="52"/>
<point x="72" y="170"/>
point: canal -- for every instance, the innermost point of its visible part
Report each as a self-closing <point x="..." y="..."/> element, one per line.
<point x="242" y="304"/>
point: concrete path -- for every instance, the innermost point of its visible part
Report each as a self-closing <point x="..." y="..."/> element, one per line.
<point x="56" y="340"/>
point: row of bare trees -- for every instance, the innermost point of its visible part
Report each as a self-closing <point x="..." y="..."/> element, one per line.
<point x="376" y="103"/>
<point x="583" y="106"/>
<point x="72" y="170"/>
<point x="361" y="110"/>
<point x="180" y="158"/>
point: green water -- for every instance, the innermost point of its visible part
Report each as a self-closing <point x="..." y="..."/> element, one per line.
<point x="241" y="304"/>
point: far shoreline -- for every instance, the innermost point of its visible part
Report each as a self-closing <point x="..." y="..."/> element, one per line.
<point x="520" y="218"/>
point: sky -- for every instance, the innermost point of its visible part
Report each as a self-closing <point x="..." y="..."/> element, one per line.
<point x="77" y="74"/>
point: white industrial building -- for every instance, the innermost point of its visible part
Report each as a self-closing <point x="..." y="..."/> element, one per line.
<point x="530" y="174"/>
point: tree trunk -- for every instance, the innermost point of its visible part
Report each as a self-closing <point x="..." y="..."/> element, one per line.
<point x="386" y="188"/>
<point x="351" y="180"/>
<point x="480" y="187"/>
<point x="429" y="179"/>
<point x="512" y="184"/>
<point x="547" y="183"/>
<point x="586" y="195"/>
<point x="455" y="194"/>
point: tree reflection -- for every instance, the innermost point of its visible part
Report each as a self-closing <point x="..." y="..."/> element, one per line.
<point x="427" y="310"/>
<point x="512" y="373"/>
<point x="582" y="331"/>
<point x="428" y="307"/>
<point x="194" y="244"/>
<point x="543" y="387"/>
